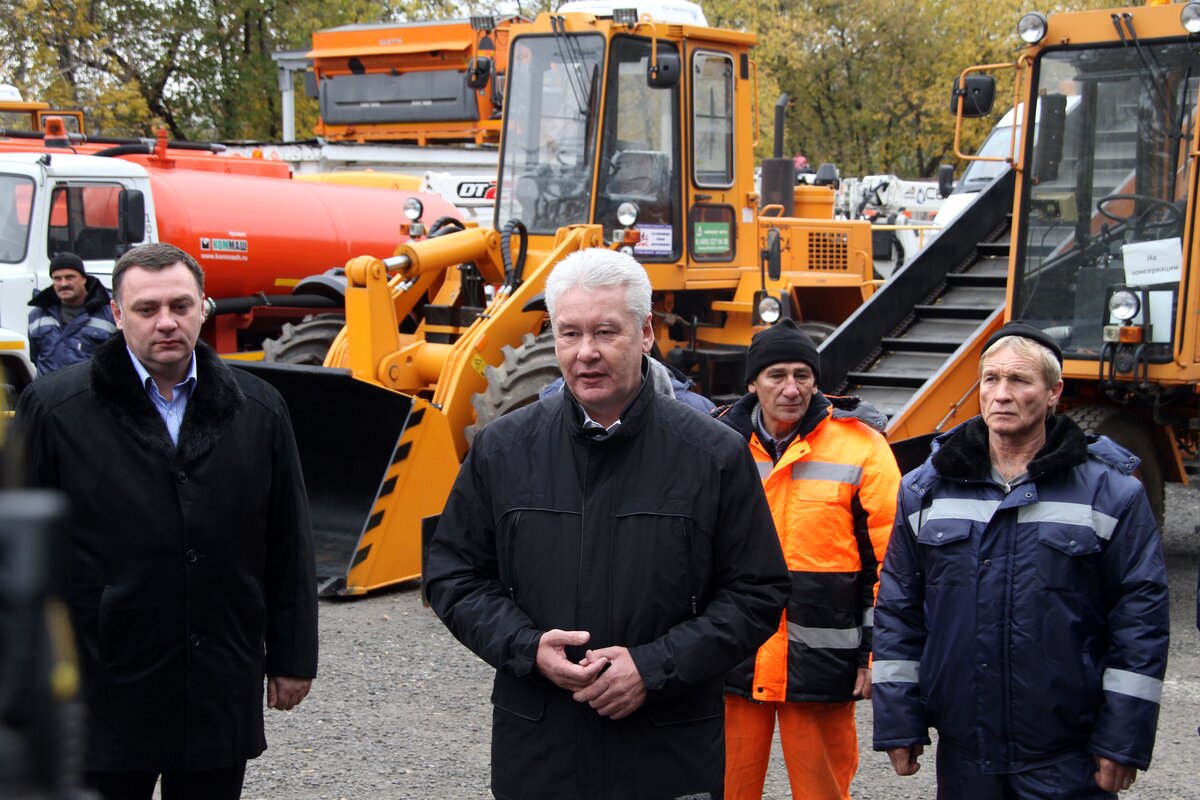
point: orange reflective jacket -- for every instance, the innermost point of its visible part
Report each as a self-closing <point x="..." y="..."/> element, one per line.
<point x="833" y="498"/>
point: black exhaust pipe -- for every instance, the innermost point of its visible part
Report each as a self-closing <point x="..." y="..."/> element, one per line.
<point x="779" y="173"/>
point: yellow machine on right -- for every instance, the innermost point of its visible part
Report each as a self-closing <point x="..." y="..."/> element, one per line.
<point x="1091" y="236"/>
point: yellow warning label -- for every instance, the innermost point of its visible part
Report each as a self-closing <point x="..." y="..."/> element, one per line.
<point x="478" y="363"/>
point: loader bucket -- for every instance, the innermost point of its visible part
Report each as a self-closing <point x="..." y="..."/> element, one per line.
<point x="375" y="461"/>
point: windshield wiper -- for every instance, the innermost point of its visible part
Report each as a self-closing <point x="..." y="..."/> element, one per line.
<point x="570" y="58"/>
<point x="1123" y="22"/>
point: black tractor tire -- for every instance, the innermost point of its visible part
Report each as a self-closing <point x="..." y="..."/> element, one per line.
<point x="525" y="371"/>
<point x="305" y="342"/>
<point x="817" y="331"/>
<point x="1135" y="435"/>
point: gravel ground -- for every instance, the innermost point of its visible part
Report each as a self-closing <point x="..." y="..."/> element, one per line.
<point x="401" y="710"/>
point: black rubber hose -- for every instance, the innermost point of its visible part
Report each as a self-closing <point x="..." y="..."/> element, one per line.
<point x="513" y="274"/>
<point x="444" y="225"/>
<point x="147" y="147"/>
<point x="241" y="305"/>
<point x="142" y="149"/>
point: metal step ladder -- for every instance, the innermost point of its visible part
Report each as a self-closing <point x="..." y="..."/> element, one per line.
<point x="936" y="328"/>
<point x="908" y="346"/>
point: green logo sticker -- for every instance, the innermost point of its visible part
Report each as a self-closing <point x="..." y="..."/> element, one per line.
<point x="710" y="237"/>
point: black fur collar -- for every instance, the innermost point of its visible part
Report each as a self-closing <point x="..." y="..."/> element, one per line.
<point x="212" y="406"/>
<point x="964" y="453"/>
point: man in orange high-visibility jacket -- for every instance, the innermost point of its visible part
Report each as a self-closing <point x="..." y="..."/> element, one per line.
<point x="831" y="482"/>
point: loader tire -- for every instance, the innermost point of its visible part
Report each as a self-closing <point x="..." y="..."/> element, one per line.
<point x="526" y="370"/>
<point x="816" y="330"/>
<point x="1134" y="435"/>
<point x="305" y="342"/>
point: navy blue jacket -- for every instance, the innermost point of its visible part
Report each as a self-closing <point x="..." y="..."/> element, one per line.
<point x="53" y="345"/>
<point x="1024" y="626"/>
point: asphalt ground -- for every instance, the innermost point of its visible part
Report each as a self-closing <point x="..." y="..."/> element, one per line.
<point x="400" y="709"/>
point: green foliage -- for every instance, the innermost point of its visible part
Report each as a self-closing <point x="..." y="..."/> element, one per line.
<point x="200" y="68"/>
<point x="869" y="81"/>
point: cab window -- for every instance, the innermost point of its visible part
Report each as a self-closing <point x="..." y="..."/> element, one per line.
<point x="712" y="119"/>
<point x="639" y="162"/>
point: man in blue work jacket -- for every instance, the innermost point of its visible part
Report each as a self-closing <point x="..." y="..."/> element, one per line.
<point x="70" y="318"/>
<point x="1022" y="608"/>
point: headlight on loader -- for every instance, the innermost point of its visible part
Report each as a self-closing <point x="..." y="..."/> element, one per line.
<point x="1189" y="17"/>
<point x="413" y="209"/>
<point x="1124" y="305"/>
<point x="770" y="310"/>
<point x="1032" y="27"/>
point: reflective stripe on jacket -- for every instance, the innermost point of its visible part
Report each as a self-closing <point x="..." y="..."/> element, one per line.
<point x="833" y="497"/>
<point x="1029" y="625"/>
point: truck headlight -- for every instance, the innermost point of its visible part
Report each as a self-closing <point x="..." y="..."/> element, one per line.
<point x="1189" y="17"/>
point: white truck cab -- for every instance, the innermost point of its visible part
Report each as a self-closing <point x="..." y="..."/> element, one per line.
<point x="55" y="203"/>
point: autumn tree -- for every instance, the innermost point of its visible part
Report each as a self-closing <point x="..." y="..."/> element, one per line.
<point x="869" y="81"/>
<point x="201" y="68"/>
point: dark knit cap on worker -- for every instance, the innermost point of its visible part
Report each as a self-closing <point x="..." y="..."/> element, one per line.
<point x="1026" y="331"/>
<point x="67" y="261"/>
<point x="781" y="343"/>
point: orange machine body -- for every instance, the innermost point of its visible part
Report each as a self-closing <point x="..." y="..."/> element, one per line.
<point x="407" y="81"/>
<point x="254" y="234"/>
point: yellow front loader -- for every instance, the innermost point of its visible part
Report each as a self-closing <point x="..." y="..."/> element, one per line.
<point x="1090" y="236"/>
<point x="620" y="130"/>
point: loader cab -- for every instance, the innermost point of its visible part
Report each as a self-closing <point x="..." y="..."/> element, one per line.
<point x="1104" y="206"/>
<point x="589" y="142"/>
<point x="627" y="125"/>
<point x="547" y="158"/>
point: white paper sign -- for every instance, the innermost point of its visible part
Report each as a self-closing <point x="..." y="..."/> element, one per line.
<point x="1148" y="263"/>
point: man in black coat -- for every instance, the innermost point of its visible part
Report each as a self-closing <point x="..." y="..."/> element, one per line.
<point x="610" y="552"/>
<point x="190" y="565"/>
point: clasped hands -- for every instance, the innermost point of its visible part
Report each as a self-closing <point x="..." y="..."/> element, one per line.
<point x="605" y="679"/>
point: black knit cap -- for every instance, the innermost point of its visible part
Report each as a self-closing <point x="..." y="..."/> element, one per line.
<point x="1026" y="331"/>
<point x="67" y="261"/>
<point x="780" y="343"/>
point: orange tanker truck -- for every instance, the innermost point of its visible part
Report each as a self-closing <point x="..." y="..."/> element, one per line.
<point x="271" y="246"/>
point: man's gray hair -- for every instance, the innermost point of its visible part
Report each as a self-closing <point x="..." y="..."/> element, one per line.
<point x="597" y="268"/>
<point x="1051" y="371"/>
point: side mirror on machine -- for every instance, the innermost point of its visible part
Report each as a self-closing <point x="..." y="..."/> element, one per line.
<point x="131" y="215"/>
<point x="827" y="175"/>
<point x="479" y="72"/>
<point x="945" y="180"/>
<point x="976" y="96"/>
<point x="665" y="73"/>
<point x="771" y="255"/>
